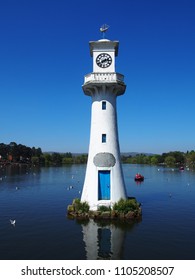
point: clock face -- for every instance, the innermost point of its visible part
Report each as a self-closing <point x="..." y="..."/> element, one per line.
<point x="104" y="60"/>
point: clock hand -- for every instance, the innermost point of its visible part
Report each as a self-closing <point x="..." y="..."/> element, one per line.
<point x="104" y="60"/>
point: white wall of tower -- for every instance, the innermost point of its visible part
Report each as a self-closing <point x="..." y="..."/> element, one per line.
<point x="103" y="121"/>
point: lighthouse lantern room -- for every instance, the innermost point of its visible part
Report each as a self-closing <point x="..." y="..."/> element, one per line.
<point x="104" y="181"/>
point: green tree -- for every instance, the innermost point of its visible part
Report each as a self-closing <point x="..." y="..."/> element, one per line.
<point x="3" y="150"/>
<point x="154" y="160"/>
<point x="81" y="158"/>
<point x="170" y="161"/>
<point x="56" y="159"/>
<point x="48" y="159"/>
<point x="190" y="159"/>
<point x="14" y="152"/>
<point x="146" y="159"/>
<point x="67" y="160"/>
<point x="35" y="160"/>
<point x="67" y="155"/>
<point x="179" y="156"/>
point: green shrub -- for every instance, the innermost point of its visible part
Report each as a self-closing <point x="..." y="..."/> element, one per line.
<point x="82" y="207"/>
<point x="126" y="205"/>
<point x="104" y="208"/>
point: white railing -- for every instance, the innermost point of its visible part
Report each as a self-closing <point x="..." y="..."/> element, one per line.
<point x="99" y="77"/>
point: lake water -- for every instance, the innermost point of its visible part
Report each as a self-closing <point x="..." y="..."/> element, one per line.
<point x="37" y="199"/>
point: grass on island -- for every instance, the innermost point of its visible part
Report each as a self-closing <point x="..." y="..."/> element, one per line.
<point x="124" y="208"/>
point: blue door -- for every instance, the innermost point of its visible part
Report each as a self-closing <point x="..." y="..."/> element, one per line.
<point x="103" y="185"/>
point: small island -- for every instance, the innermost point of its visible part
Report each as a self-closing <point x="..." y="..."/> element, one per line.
<point x="125" y="209"/>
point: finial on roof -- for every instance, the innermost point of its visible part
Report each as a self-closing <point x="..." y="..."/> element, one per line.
<point x="103" y="29"/>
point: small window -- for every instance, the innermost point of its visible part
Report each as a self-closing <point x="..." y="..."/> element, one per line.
<point x="103" y="105"/>
<point x="103" y="138"/>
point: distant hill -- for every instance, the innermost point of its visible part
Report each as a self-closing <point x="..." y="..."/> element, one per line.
<point x="133" y="154"/>
<point x="126" y="154"/>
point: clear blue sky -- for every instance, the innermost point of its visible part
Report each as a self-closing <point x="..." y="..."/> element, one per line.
<point x="44" y="55"/>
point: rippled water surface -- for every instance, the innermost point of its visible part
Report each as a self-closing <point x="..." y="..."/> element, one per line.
<point x="37" y="199"/>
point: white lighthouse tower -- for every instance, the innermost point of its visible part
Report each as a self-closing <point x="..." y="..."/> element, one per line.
<point x="104" y="182"/>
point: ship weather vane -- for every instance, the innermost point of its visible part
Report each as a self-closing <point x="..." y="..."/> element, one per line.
<point x="103" y="29"/>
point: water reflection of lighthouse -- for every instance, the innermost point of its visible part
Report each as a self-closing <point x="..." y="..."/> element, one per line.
<point x="103" y="242"/>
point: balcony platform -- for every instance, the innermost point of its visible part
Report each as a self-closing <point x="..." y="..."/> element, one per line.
<point x="99" y="77"/>
<point x="104" y="79"/>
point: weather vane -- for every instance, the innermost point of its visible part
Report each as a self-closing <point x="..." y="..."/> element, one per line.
<point x="103" y="29"/>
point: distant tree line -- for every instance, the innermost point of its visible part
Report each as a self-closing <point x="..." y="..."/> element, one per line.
<point x="170" y="159"/>
<point x="56" y="159"/>
<point x="17" y="153"/>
